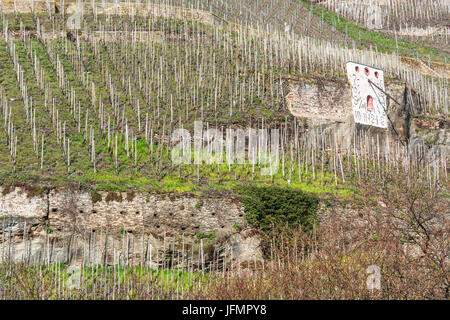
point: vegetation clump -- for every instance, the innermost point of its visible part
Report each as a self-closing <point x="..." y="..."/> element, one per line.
<point x="199" y="204"/>
<point x="96" y="197"/>
<point x="113" y="196"/>
<point x="130" y="196"/>
<point x="207" y="235"/>
<point x="7" y="189"/>
<point x="266" y="207"/>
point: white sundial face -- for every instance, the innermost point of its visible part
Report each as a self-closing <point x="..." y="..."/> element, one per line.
<point x="369" y="102"/>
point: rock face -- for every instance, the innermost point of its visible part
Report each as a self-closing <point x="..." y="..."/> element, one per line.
<point x="35" y="251"/>
<point x="319" y="98"/>
<point x="154" y="213"/>
<point x="246" y="248"/>
<point x="18" y="202"/>
<point x="433" y="133"/>
<point x="9" y="6"/>
<point x="60" y="224"/>
<point x="127" y="248"/>
<point x="324" y="105"/>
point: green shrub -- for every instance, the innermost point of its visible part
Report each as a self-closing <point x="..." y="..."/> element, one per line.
<point x="279" y="207"/>
<point x="208" y="235"/>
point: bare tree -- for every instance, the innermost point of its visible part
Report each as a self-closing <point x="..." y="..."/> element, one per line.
<point x="417" y="211"/>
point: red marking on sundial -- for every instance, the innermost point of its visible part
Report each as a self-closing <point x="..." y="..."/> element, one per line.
<point x="369" y="103"/>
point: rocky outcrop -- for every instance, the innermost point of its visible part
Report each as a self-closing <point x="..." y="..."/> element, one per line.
<point x="10" y="6"/>
<point x="60" y="224"/>
<point x="154" y="213"/>
<point x="324" y="104"/>
<point x="20" y="203"/>
<point x="433" y="133"/>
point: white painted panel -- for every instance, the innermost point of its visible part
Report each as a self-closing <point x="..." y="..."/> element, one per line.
<point x="369" y="103"/>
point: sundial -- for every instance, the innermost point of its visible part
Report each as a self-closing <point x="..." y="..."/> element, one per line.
<point x="368" y="98"/>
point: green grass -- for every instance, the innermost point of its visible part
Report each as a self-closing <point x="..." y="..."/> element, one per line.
<point x="94" y="277"/>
